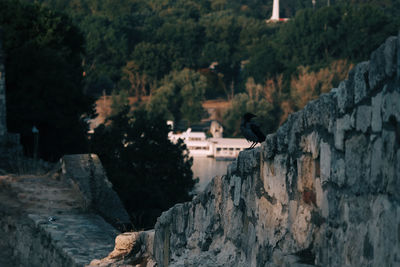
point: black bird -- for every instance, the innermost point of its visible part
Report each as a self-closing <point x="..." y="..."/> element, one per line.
<point x="251" y="131"/>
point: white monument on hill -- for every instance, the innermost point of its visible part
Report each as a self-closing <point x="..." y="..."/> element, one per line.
<point x="275" y="13"/>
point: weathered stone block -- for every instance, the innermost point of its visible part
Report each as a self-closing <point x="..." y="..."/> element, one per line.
<point x="338" y="171"/>
<point x="389" y="161"/>
<point x="353" y="118"/>
<point x="297" y="126"/>
<point x="293" y="204"/>
<point x="325" y="162"/>
<point x="232" y="168"/>
<point x="376" y="165"/>
<point x="390" y="54"/>
<point x="321" y="111"/>
<point x="382" y="230"/>
<point x="391" y="106"/>
<point x="345" y="96"/>
<point x="357" y="160"/>
<point x="376" y="121"/>
<point x="282" y="137"/>
<point x="268" y="147"/>
<point x="342" y="125"/>
<point x="397" y="181"/>
<point x="398" y="56"/>
<point x="363" y="120"/>
<point x="383" y="62"/>
<point x="301" y="228"/>
<point x="360" y="81"/>
<point x="306" y="173"/>
<point x="310" y="144"/>
<point x="237" y="184"/>
<point x="248" y="161"/>
<point x="275" y="179"/>
<point x="321" y="198"/>
<point x="124" y="243"/>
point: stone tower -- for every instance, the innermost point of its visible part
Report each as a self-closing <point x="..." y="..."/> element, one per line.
<point x="3" y="125"/>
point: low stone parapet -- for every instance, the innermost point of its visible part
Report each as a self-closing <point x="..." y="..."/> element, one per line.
<point x="43" y="223"/>
<point x="321" y="191"/>
<point x="86" y="174"/>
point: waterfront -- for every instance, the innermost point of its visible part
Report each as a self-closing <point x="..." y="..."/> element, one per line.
<point x="206" y="168"/>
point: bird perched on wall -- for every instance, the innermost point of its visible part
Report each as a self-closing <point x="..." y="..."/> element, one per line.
<point x="251" y="131"/>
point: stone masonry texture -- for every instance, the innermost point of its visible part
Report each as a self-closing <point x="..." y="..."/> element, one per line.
<point x="322" y="191"/>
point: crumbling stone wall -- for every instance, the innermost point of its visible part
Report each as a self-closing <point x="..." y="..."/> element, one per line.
<point x="323" y="190"/>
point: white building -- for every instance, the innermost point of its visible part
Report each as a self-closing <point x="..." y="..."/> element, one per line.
<point x="201" y="146"/>
<point x="227" y="148"/>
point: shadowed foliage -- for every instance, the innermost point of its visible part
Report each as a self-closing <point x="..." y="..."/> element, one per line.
<point x="44" y="78"/>
<point x="149" y="173"/>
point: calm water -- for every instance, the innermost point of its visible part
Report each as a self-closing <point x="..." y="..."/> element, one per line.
<point x="206" y="169"/>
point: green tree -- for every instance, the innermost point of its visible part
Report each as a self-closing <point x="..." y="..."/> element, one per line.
<point x="133" y="151"/>
<point x="152" y="59"/>
<point x="222" y="33"/>
<point x="263" y="61"/>
<point x="180" y="96"/>
<point x="341" y="31"/>
<point x="108" y="43"/>
<point x="44" y="78"/>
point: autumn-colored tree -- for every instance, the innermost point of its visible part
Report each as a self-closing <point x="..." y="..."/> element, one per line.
<point x="308" y="85"/>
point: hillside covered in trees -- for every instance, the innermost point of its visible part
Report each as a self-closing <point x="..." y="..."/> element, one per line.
<point x="138" y="46"/>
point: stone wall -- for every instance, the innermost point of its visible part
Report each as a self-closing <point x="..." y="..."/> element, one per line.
<point x="323" y="190"/>
<point x="86" y="175"/>
<point x="59" y="219"/>
<point x="70" y="241"/>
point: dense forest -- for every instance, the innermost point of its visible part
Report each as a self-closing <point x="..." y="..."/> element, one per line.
<point x="136" y="47"/>
<point x="63" y="54"/>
